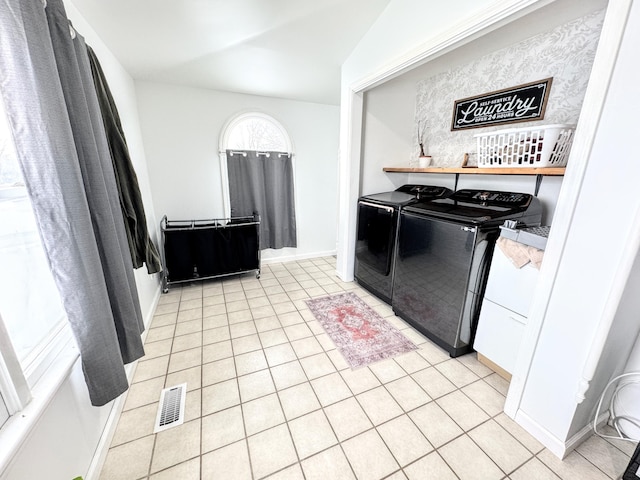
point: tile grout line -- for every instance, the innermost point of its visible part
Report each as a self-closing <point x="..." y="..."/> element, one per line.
<point x="201" y="459"/>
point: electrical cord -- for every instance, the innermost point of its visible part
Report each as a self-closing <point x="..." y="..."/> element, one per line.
<point x="615" y="419"/>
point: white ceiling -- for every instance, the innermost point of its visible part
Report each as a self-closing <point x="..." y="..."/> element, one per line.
<point x="279" y="48"/>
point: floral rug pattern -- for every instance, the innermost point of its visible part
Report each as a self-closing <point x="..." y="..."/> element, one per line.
<point x="361" y="334"/>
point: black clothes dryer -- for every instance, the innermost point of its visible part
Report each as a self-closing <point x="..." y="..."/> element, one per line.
<point x="443" y="256"/>
<point x="378" y="217"/>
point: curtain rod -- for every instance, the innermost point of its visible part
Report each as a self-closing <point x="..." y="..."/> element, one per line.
<point x="244" y="154"/>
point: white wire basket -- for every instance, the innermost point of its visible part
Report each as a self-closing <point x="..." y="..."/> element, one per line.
<point x="533" y="147"/>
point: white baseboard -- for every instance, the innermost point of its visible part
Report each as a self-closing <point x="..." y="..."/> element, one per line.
<point x="584" y="433"/>
<point x="152" y="310"/>
<point x="109" y="431"/>
<point x="556" y="446"/>
<point x="544" y="436"/>
<point x="292" y="257"/>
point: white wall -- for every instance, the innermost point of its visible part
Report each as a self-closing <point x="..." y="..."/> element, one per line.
<point x="564" y="53"/>
<point x="181" y="127"/>
<point x="65" y="439"/>
<point x="389" y="113"/>
<point x="601" y="243"/>
<point x="404" y="27"/>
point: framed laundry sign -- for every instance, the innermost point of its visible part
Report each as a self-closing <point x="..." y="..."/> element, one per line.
<point x="522" y="103"/>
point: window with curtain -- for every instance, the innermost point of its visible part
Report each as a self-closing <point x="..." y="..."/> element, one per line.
<point x="30" y="304"/>
<point x="258" y="156"/>
<point x="65" y="215"/>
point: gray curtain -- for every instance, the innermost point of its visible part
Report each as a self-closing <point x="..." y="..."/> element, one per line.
<point x="262" y="182"/>
<point x="46" y="84"/>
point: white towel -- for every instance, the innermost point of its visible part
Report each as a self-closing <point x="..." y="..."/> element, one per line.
<point x="520" y="254"/>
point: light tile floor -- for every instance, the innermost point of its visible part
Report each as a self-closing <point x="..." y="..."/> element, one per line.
<point x="269" y="396"/>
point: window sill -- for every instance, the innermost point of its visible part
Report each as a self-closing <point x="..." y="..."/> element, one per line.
<point x="18" y="427"/>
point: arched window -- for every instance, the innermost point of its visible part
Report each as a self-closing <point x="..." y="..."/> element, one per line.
<point x="258" y="176"/>
<point x="255" y="131"/>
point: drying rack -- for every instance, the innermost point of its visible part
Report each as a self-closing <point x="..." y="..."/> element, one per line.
<point x="204" y="249"/>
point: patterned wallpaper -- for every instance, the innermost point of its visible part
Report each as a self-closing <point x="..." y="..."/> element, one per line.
<point x="565" y="53"/>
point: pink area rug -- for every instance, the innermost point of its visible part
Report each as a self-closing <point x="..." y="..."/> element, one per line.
<point x="361" y="335"/>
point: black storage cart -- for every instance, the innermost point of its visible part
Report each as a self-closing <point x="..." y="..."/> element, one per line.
<point x="204" y="249"/>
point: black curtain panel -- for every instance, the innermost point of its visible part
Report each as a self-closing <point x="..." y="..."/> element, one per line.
<point x="141" y="246"/>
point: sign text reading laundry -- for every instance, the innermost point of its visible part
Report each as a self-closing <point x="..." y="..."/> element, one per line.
<point x="517" y="104"/>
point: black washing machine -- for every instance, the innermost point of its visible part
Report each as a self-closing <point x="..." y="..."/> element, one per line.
<point x="443" y="256"/>
<point x="378" y="218"/>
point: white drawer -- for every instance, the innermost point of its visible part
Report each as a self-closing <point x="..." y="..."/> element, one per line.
<point x="509" y="286"/>
<point x="499" y="334"/>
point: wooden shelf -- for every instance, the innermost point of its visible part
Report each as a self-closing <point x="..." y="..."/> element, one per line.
<point x="551" y="171"/>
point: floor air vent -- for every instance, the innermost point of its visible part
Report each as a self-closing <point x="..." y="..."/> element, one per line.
<point x="171" y="408"/>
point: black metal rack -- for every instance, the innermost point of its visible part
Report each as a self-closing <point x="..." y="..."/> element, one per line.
<point x="210" y="248"/>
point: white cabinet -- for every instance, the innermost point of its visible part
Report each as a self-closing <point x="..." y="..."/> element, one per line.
<point x="499" y="333"/>
<point x="505" y="307"/>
